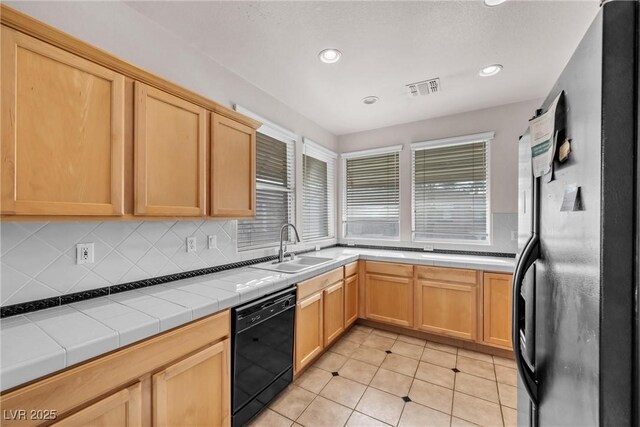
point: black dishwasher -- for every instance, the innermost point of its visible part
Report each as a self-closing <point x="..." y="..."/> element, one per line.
<point x="262" y="347"/>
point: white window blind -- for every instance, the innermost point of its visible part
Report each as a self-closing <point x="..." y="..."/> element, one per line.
<point x="450" y="189"/>
<point x="371" y="205"/>
<point x="318" y="192"/>
<point x="274" y="193"/>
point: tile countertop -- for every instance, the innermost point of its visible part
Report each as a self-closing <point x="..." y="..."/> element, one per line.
<point x="43" y="342"/>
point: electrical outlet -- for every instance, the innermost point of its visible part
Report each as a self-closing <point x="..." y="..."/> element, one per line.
<point x="191" y="244"/>
<point x="213" y="241"/>
<point x="317" y="247"/>
<point x="84" y="253"/>
<point x="514" y="235"/>
<point x="428" y="248"/>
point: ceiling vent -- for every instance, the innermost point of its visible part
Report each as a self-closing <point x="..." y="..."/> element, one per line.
<point x="425" y="87"/>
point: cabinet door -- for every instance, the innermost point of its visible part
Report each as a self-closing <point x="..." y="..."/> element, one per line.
<point x="447" y="308"/>
<point x="350" y="300"/>
<point x="309" y="330"/>
<point x="62" y="131"/>
<point x="389" y="299"/>
<point x="170" y="163"/>
<point x="122" y="408"/>
<point x="497" y="309"/>
<point x="195" y="391"/>
<point x="333" y="311"/>
<point x="233" y="168"/>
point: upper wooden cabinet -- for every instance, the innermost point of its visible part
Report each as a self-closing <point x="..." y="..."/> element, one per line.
<point x="446" y="301"/>
<point x="62" y="131"/>
<point x="170" y="163"/>
<point x="497" y="309"/>
<point x="195" y="391"/>
<point x="233" y="168"/>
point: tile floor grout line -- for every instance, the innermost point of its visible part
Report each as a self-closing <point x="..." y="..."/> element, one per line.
<point x="498" y="390"/>
<point x="453" y="395"/>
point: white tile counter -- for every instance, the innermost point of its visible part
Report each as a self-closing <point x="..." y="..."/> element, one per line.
<point x="42" y="342"/>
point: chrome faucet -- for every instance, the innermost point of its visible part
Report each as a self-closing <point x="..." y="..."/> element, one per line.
<point x="282" y="253"/>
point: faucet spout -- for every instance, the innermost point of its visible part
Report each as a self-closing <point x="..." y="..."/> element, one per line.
<point x="281" y="252"/>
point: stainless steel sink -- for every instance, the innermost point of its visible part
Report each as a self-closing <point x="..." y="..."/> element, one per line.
<point x="299" y="264"/>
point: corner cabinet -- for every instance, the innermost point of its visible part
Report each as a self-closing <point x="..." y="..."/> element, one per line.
<point x="205" y="376"/>
<point x="62" y="131"/>
<point x="350" y="293"/>
<point x="497" y="309"/>
<point x="170" y="164"/>
<point x="233" y="168"/>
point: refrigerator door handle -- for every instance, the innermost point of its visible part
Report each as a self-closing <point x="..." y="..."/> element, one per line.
<point x="529" y="255"/>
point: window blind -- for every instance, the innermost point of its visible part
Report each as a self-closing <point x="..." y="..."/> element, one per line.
<point x="274" y="193"/>
<point x="318" y="192"/>
<point x="372" y="196"/>
<point x="449" y="192"/>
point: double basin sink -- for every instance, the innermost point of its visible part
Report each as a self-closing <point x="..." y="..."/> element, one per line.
<point x="293" y="266"/>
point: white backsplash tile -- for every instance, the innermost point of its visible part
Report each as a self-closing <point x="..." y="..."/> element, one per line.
<point x="38" y="259"/>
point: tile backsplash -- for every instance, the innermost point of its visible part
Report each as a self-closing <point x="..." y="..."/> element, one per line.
<point x="38" y="260"/>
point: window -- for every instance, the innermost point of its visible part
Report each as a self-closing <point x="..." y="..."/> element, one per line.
<point x="450" y="189"/>
<point x="318" y="192"/>
<point x="274" y="190"/>
<point x="371" y="205"/>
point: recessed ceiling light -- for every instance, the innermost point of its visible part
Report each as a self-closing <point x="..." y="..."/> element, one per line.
<point x="492" y="3"/>
<point x="368" y="100"/>
<point x="491" y="70"/>
<point x="330" y="56"/>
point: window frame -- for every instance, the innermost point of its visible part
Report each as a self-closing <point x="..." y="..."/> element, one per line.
<point x="289" y="139"/>
<point x="370" y="153"/>
<point x="323" y="154"/>
<point x="485" y="137"/>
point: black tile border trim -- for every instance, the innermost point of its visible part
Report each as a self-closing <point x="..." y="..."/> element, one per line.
<point x="31" y="306"/>
<point x="435" y="251"/>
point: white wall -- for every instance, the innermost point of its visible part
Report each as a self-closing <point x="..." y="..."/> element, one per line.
<point x="508" y="122"/>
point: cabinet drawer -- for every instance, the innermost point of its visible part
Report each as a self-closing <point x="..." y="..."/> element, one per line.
<point x="351" y="269"/>
<point x="391" y="269"/>
<point x="448" y="275"/>
<point x="320" y="282"/>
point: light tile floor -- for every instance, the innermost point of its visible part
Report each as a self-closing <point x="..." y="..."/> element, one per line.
<point x="372" y="377"/>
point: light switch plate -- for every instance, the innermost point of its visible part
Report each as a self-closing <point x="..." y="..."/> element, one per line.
<point x="191" y="244"/>
<point x="514" y="235"/>
<point x="84" y="253"/>
<point x="213" y="241"/>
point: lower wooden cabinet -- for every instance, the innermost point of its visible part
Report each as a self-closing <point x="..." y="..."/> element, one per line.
<point x="389" y="299"/>
<point x="333" y="312"/>
<point x="350" y="300"/>
<point x="447" y="309"/>
<point x="178" y="378"/>
<point x="196" y="390"/>
<point x="497" y="309"/>
<point x="309" y="330"/>
<point x="122" y="408"/>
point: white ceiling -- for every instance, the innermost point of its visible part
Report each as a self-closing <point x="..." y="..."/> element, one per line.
<point x="385" y="45"/>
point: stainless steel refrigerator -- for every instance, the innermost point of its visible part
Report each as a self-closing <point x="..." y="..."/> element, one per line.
<point x="575" y="323"/>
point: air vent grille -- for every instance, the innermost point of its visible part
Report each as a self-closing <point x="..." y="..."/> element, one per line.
<point x="425" y="87"/>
